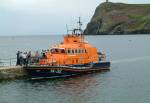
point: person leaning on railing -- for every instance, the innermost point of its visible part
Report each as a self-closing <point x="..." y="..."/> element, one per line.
<point x="22" y="58"/>
<point x="18" y="58"/>
<point x="29" y="57"/>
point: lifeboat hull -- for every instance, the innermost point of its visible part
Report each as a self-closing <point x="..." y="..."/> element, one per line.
<point x="39" y="72"/>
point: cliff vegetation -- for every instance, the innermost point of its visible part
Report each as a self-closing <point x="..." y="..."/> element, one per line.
<point x="118" y="18"/>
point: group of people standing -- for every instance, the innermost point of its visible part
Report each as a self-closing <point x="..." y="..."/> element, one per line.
<point x="23" y="58"/>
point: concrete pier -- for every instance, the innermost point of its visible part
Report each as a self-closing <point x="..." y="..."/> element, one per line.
<point x="12" y="72"/>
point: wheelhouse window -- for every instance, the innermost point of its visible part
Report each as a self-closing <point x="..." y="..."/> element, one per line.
<point x="72" y="51"/>
<point x="68" y="51"/>
<point x="79" y="51"/>
<point x="57" y="50"/>
<point x="85" y="51"/>
<point x="76" y="51"/>
<point x="62" y="50"/>
<point x="82" y="50"/>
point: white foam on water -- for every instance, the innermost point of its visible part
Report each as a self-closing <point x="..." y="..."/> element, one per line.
<point x="131" y="59"/>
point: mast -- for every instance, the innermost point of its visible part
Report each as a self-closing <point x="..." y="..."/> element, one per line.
<point x="80" y="24"/>
<point x="80" y="30"/>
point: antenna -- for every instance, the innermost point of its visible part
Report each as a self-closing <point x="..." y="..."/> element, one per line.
<point x="80" y="30"/>
<point x="77" y="30"/>
<point x="80" y="24"/>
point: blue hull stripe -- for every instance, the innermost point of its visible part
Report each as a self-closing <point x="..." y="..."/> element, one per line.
<point x="60" y="72"/>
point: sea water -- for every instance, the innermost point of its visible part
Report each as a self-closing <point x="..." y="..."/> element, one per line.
<point x="128" y="81"/>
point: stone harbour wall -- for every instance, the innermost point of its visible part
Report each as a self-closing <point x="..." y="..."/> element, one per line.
<point x="12" y="72"/>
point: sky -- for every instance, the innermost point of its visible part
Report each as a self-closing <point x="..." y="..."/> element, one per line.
<point x="47" y="17"/>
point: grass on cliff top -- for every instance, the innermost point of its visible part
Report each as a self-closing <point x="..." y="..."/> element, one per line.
<point x="144" y="8"/>
<point x="139" y="17"/>
<point x="141" y="22"/>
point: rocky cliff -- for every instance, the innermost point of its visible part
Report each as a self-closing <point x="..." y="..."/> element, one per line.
<point x="119" y="18"/>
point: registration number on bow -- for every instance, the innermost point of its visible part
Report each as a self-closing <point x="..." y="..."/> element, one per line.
<point x="56" y="71"/>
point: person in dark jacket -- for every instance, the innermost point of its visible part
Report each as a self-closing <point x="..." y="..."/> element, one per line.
<point x="18" y="58"/>
<point x="29" y="57"/>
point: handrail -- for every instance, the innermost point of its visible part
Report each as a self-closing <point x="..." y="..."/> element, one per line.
<point x="7" y="58"/>
<point x="8" y="62"/>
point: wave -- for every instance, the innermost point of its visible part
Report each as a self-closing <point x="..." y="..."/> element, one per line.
<point x="131" y="59"/>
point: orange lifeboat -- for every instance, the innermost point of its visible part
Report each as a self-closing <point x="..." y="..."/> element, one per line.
<point x="71" y="57"/>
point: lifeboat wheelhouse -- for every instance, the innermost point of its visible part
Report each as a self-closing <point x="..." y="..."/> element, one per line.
<point x="72" y="51"/>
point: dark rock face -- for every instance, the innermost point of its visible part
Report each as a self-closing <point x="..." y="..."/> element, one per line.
<point x="118" y="18"/>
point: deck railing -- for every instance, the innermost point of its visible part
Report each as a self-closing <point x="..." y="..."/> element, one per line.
<point x="8" y="62"/>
